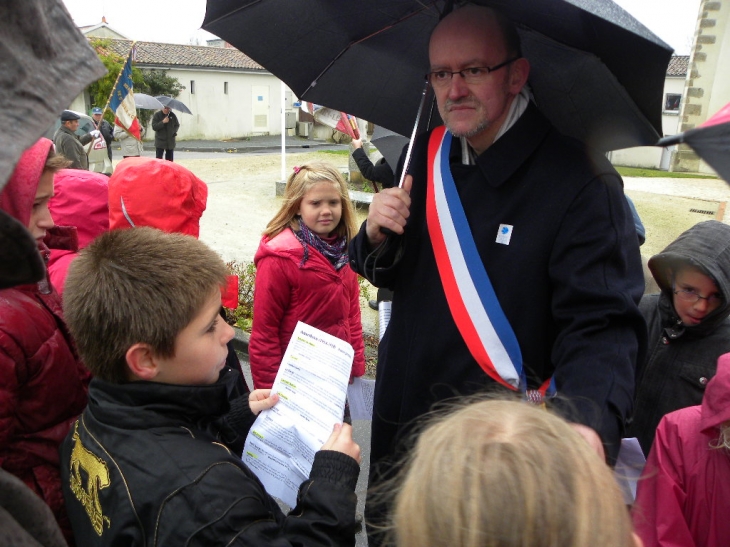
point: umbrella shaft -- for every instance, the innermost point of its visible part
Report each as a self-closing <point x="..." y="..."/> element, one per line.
<point x="407" y="161"/>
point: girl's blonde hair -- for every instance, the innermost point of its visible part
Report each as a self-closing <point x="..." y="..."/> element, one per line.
<point x="501" y="473"/>
<point x="723" y="439"/>
<point x="299" y="183"/>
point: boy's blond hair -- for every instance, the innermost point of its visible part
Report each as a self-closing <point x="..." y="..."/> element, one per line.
<point x="503" y="473"/>
<point x="298" y="184"/>
<point x="136" y="286"/>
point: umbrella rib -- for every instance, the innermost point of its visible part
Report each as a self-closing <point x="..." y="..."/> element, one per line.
<point x="229" y="13"/>
<point x="364" y="38"/>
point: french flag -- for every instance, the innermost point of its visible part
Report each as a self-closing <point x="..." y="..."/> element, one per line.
<point x="122" y="101"/>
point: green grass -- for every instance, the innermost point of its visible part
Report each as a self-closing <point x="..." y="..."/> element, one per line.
<point x="335" y="152"/>
<point x="642" y="172"/>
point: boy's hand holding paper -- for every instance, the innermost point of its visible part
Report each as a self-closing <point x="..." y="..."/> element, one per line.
<point x="311" y="385"/>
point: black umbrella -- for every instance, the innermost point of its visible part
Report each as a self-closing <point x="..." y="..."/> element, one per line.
<point x="173" y="103"/>
<point x="711" y="141"/>
<point x="597" y="73"/>
<point x="389" y="143"/>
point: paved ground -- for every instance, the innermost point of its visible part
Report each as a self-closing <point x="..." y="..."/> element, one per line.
<point x="264" y="143"/>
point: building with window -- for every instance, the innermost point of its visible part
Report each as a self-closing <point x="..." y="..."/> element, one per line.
<point x="231" y="96"/>
<point x="651" y="156"/>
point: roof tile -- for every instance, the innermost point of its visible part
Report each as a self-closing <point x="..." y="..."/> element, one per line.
<point x="154" y="53"/>
<point x="678" y="65"/>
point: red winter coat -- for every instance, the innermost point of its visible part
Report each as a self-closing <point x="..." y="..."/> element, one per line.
<point x="287" y="292"/>
<point x="683" y="499"/>
<point x="42" y="383"/>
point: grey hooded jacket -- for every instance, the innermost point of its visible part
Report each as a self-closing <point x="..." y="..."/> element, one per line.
<point x="681" y="360"/>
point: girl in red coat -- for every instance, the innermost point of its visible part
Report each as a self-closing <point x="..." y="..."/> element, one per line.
<point x="43" y="385"/>
<point x="302" y="271"/>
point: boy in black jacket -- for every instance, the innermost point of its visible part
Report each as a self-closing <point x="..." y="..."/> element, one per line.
<point x="148" y="461"/>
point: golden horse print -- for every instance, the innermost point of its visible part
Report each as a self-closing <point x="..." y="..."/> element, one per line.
<point x="97" y="476"/>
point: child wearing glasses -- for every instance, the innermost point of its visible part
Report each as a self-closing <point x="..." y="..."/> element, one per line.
<point x="688" y="325"/>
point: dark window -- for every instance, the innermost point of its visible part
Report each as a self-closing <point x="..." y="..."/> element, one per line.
<point x="225" y="88"/>
<point x="192" y="87"/>
<point x="672" y="101"/>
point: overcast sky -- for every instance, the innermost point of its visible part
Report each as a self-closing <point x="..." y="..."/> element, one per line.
<point x="178" y="21"/>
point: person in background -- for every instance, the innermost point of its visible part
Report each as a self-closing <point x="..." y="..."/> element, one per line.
<point x="69" y="144"/>
<point x="80" y="210"/>
<point x="43" y="384"/>
<point x="104" y="127"/>
<point x="165" y="125"/>
<point x="381" y="173"/>
<point x="689" y="325"/>
<point x="149" y="459"/>
<point x="302" y="271"/>
<point x="503" y="473"/>
<point x="131" y="147"/>
<point x="682" y="499"/>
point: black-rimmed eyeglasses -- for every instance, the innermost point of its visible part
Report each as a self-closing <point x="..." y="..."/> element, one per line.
<point x="471" y="75"/>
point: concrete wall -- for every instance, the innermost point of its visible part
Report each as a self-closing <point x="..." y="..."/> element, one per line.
<point x="708" y="83"/>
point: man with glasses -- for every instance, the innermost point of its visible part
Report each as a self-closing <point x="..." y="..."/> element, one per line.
<point x="688" y="325"/>
<point x="544" y="219"/>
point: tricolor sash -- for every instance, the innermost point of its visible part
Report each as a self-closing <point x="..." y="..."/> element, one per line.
<point x="473" y="304"/>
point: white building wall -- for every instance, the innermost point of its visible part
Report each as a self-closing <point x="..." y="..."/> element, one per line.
<point x="218" y="115"/>
<point x="651" y="156"/>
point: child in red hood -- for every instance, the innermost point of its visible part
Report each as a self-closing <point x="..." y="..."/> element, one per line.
<point x="165" y="195"/>
<point x="43" y="384"/>
<point x="683" y="497"/>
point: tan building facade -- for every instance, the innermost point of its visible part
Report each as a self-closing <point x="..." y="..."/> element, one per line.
<point x="707" y="87"/>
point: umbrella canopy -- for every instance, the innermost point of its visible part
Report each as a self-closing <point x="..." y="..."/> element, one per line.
<point x="173" y="103"/>
<point x="597" y="73"/>
<point x="45" y="63"/>
<point x="388" y="143"/>
<point x="147" y="102"/>
<point x="711" y="141"/>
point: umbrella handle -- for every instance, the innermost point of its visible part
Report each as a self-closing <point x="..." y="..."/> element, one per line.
<point x="407" y="160"/>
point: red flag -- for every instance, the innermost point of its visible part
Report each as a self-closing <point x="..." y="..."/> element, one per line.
<point x="336" y="120"/>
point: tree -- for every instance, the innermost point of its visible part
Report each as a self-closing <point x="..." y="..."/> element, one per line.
<point x="153" y="82"/>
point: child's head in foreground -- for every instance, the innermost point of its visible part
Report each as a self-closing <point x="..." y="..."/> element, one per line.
<point x="503" y="473"/>
<point x="144" y="305"/>
<point x="312" y="188"/>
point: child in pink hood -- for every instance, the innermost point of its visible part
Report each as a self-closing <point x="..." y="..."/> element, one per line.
<point x="683" y="497"/>
<point x="43" y="385"/>
<point x="80" y="209"/>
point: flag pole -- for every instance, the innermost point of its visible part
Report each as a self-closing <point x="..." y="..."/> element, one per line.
<point x="114" y="87"/>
